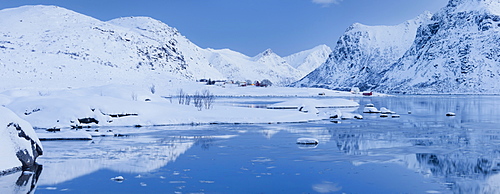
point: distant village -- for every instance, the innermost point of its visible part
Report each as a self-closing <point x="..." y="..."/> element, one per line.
<point x="263" y="83"/>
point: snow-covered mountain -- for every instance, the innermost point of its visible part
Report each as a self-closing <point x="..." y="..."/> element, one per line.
<point x="268" y="65"/>
<point x="362" y="54"/>
<point x="458" y="51"/>
<point x="454" y="51"/>
<point x="308" y="60"/>
<point x="49" y="46"/>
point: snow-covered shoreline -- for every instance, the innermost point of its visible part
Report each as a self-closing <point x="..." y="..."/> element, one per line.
<point x="128" y="106"/>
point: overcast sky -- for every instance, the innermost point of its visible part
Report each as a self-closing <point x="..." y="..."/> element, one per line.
<point x="252" y="26"/>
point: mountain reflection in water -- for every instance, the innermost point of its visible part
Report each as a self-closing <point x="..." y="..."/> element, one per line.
<point x="447" y="154"/>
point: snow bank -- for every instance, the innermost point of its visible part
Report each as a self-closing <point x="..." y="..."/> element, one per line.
<point x="19" y="143"/>
<point x="119" y="105"/>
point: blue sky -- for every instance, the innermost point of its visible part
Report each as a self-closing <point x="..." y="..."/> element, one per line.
<point x="252" y="26"/>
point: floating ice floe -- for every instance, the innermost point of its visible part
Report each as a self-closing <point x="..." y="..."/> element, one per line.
<point x="118" y="179"/>
<point x="307" y="141"/>
<point x="450" y="114"/>
<point x="370" y="108"/>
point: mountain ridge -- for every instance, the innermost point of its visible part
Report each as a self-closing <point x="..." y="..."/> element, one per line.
<point x="454" y="50"/>
<point x="52" y="46"/>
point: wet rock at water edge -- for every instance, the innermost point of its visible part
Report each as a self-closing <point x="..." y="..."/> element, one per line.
<point x="118" y="179"/>
<point x="307" y="141"/>
<point x="450" y="114"/>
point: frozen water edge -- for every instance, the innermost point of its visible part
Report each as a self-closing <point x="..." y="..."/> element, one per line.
<point x="128" y="106"/>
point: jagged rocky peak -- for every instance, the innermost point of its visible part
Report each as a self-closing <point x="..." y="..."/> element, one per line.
<point x="456" y="52"/>
<point x="267" y="52"/>
<point x="362" y="54"/>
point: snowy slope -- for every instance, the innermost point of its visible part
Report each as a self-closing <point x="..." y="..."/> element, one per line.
<point x="308" y="60"/>
<point x="42" y="46"/>
<point x="456" y="52"/>
<point x="362" y="54"/>
<point x="48" y="45"/>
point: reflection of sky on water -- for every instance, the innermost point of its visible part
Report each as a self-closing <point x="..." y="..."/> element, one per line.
<point x="420" y="152"/>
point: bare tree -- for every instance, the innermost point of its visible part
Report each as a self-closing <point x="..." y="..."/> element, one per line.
<point x="208" y="99"/>
<point x="198" y="101"/>
<point x="181" y="95"/>
<point x="187" y="99"/>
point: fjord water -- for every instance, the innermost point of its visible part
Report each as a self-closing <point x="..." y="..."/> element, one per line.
<point x="421" y="152"/>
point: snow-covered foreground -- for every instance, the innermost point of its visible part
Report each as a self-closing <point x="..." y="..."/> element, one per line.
<point x="119" y="105"/>
<point x="19" y="144"/>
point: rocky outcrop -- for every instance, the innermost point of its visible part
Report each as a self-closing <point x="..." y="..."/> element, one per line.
<point x="20" y="146"/>
<point x="362" y="54"/>
<point x="456" y="52"/>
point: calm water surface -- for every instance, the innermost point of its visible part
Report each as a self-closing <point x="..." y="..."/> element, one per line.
<point x="422" y="152"/>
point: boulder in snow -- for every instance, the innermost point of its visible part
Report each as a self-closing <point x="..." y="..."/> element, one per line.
<point x="384" y="110"/>
<point x="19" y="144"/>
<point x="370" y="108"/>
<point x="308" y="109"/>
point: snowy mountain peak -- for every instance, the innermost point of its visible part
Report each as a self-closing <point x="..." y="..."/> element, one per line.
<point x="362" y="54"/>
<point x="456" y="52"/>
<point x="266" y="53"/>
<point x="491" y="6"/>
<point x="57" y="47"/>
<point x="308" y="60"/>
<point x="145" y="25"/>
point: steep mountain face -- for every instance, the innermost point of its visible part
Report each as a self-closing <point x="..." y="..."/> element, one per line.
<point x="307" y="61"/>
<point x="171" y="47"/>
<point x="266" y="65"/>
<point x="456" y="52"/>
<point x="362" y="54"/>
<point x="49" y="46"/>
